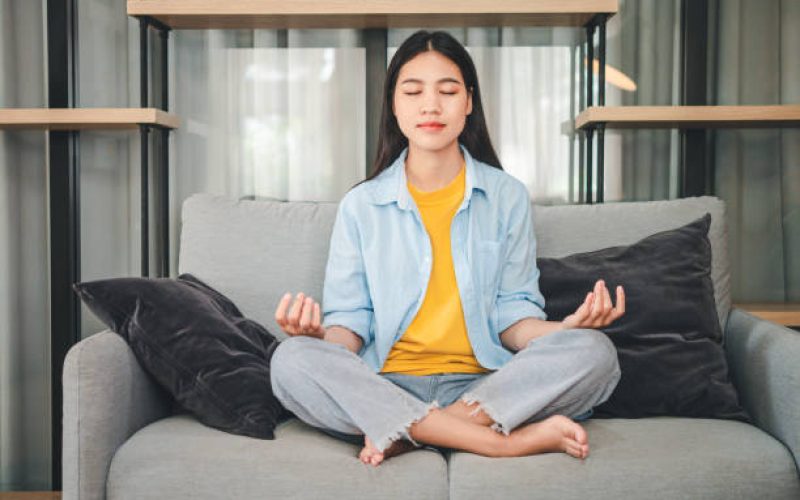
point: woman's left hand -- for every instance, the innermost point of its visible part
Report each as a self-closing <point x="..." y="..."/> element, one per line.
<point x="597" y="310"/>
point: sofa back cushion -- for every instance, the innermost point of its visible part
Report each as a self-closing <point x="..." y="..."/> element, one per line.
<point x="254" y="251"/>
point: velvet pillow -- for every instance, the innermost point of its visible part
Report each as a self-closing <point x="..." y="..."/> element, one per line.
<point x="197" y="345"/>
<point x="669" y="340"/>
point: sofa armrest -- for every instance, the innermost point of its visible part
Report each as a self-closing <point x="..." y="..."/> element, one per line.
<point x="107" y="397"/>
<point x="764" y="360"/>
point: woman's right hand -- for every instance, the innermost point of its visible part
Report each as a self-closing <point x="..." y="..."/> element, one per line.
<point x="302" y="319"/>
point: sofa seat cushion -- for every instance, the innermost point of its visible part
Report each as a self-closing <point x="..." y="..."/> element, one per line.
<point x="178" y="457"/>
<point x="653" y="458"/>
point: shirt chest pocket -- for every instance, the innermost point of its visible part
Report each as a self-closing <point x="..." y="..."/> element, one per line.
<point x="487" y="267"/>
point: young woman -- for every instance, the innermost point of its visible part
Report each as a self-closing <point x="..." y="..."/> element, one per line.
<point x="433" y="329"/>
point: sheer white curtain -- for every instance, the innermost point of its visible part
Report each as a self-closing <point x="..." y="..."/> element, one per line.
<point x="258" y="120"/>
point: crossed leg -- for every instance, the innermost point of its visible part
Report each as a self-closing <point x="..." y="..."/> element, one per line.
<point x="565" y="373"/>
<point x="556" y="433"/>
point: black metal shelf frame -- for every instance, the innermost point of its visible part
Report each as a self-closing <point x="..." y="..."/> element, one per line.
<point x="696" y="173"/>
<point x="64" y="195"/>
<point x="598" y="23"/>
<point x="144" y="131"/>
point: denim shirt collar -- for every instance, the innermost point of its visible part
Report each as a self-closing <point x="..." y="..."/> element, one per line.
<point x="391" y="184"/>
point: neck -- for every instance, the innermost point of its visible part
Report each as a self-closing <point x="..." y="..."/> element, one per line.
<point x="431" y="170"/>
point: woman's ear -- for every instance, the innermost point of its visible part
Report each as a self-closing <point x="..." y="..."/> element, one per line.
<point x="469" y="101"/>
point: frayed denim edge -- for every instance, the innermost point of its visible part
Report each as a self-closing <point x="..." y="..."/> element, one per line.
<point x="403" y="433"/>
<point x="469" y="398"/>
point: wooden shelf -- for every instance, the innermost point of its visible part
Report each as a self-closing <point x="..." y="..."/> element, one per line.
<point x="84" y="118"/>
<point x="787" y="115"/>
<point x="787" y="314"/>
<point x="286" y="14"/>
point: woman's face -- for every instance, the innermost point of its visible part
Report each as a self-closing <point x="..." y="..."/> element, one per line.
<point x="430" y="101"/>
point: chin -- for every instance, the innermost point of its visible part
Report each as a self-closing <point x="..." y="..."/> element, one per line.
<point x="434" y="144"/>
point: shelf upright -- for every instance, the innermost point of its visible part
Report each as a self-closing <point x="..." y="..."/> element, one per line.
<point x="598" y="22"/>
<point x="144" y="131"/>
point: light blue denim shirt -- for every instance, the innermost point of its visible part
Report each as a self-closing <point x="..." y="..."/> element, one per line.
<point x="380" y="261"/>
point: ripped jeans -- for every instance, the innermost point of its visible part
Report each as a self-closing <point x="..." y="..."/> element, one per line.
<point x="567" y="372"/>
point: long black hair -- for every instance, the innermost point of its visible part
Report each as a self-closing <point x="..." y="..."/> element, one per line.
<point x="475" y="136"/>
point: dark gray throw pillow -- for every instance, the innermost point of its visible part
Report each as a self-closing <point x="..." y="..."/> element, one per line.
<point x="669" y="340"/>
<point x="197" y="344"/>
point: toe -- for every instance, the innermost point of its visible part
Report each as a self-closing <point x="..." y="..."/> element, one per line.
<point x="574" y="450"/>
<point x="580" y="434"/>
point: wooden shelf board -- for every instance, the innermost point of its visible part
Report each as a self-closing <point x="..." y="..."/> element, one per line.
<point x="785" y="115"/>
<point x="787" y="314"/>
<point x="84" y="118"/>
<point x="277" y="14"/>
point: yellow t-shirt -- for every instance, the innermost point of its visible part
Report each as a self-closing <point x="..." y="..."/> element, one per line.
<point x="436" y="340"/>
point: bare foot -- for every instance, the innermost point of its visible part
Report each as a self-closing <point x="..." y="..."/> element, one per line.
<point x="371" y="455"/>
<point x="553" y="434"/>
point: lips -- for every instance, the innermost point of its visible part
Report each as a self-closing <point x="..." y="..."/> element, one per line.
<point x="431" y="126"/>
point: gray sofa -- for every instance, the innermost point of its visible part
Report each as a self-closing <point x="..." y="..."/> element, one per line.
<point x="125" y="438"/>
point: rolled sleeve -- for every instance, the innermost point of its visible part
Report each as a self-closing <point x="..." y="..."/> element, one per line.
<point x="518" y="293"/>
<point x="345" y="297"/>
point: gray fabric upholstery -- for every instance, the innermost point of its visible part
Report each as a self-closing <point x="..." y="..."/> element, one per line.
<point x="107" y="397"/>
<point x="566" y="229"/>
<point x="653" y="458"/>
<point x="255" y="251"/>
<point x="764" y="360"/>
<point x="178" y="457"/>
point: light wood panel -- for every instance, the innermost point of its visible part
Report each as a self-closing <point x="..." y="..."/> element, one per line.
<point x="84" y="118"/>
<point x="276" y="14"/>
<point x="787" y="314"/>
<point x="786" y="115"/>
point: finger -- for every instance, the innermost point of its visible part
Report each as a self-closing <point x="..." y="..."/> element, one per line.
<point x="305" y="315"/>
<point x="619" y="310"/>
<point x="315" y="322"/>
<point x="608" y="307"/>
<point x="280" y="312"/>
<point x="598" y="300"/>
<point x="294" y="313"/>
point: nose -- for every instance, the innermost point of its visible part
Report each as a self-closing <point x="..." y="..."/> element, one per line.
<point x="430" y="103"/>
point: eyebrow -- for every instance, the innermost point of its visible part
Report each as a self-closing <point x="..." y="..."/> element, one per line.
<point x="442" y="80"/>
